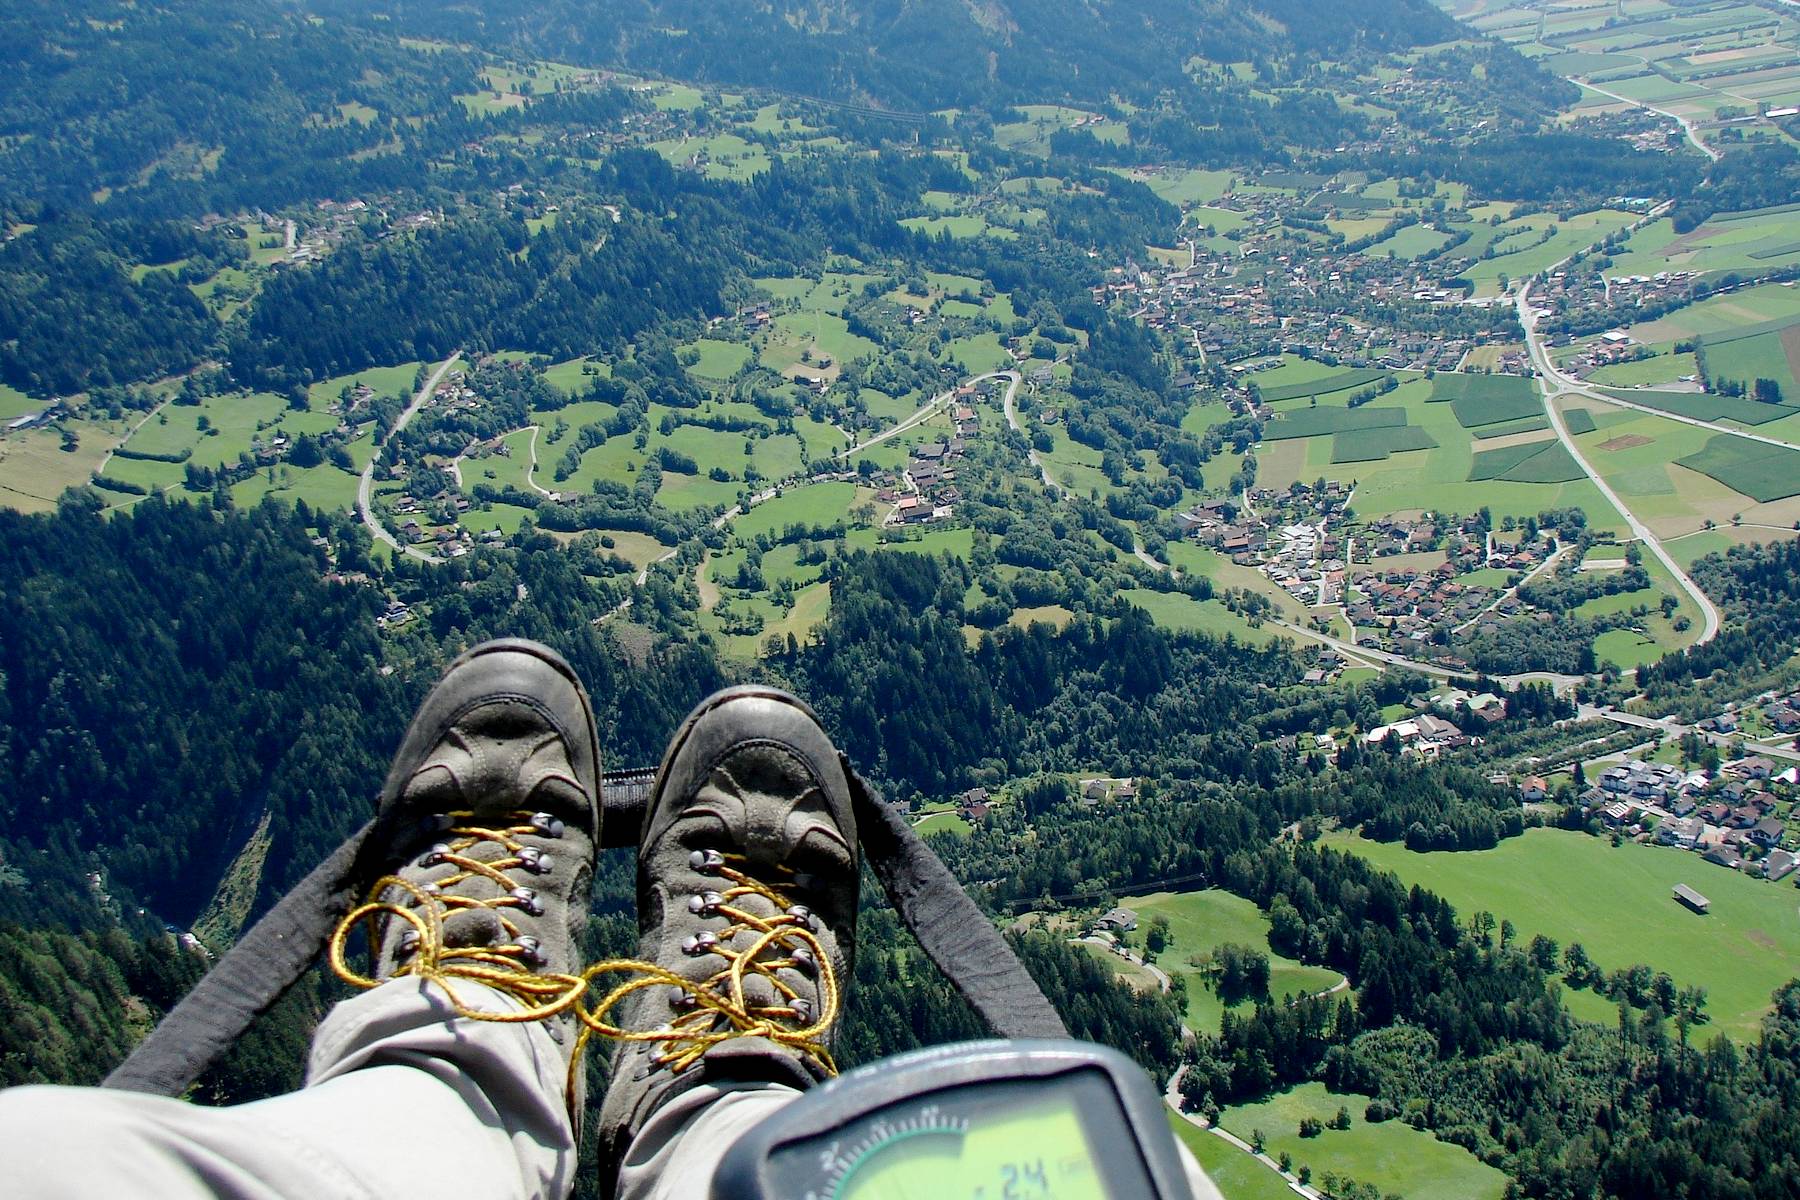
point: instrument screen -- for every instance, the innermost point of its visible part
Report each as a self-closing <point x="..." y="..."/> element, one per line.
<point x="1062" y="1138"/>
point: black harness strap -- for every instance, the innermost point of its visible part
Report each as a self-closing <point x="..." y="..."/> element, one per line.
<point x="957" y="935"/>
<point x="278" y="949"/>
<point x="248" y="979"/>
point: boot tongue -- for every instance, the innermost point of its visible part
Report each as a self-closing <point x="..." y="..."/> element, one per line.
<point x="468" y="927"/>
<point x="758" y="1060"/>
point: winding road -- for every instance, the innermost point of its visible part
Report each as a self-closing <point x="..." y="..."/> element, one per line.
<point x="366" y="485"/>
<point x="1009" y="403"/>
<point x="1554" y="386"/>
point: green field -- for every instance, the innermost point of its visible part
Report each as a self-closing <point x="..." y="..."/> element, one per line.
<point x="1579" y="421"/>
<point x="1534" y="462"/>
<point x="1616" y="902"/>
<point x="1728" y="314"/>
<point x="1422" y="480"/>
<point x="1337" y="381"/>
<point x="1414" y="241"/>
<point x="1654" y="371"/>
<point x="724" y="155"/>
<point x="1175" y="611"/>
<point x="813" y="505"/>
<point x="572" y="378"/>
<point x="1626" y="648"/>
<point x="1184" y="188"/>
<point x="1508" y="428"/>
<point x="1450" y="385"/>
<point x="1759" y="356"/>
<point x="1374" y="445"/>
<point x="1394" y="1156"/>
<point x="1314" y="422"/>
<point x="1703" y="406"/>
<point x="1201" y="921"/>
<point x="384" y="381"/>
<point x="1472" y="411"/>
<point x="714" y="359"/>
<point x="1758" y="470"/>
<point x="1528" y="256"/>
<point x="14" y="403"/>
<point x="959" y="226"/>
<point x="1722" y="244"/>
<point x="1239" y="1176"/>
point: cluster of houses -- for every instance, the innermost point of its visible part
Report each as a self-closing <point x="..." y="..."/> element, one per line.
<point x="1782" y="712"/>
<point x="45" y="416"/>
<point x="1585" y="295"/>
<point x="1295" y="538"/>
<point x="1425" y="736"/>
<point x="1101" y="789"/>
<point x="1730" y="817"/>
<point x="1218" y="523"/>
<point x="926" y="489"/>
<point x="1406" y="604"/>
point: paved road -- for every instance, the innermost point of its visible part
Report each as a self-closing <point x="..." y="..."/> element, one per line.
<point x="1669" y="727"/>
<point x="1012" y="419"/>
<point x="366" y="485"/>
<point x="1172" y="1097"/>
<point x="1552" y="390"/>
<point x="531" y="472"/>
<point x="1573" y="386"/>
<point x="931" y="407"/>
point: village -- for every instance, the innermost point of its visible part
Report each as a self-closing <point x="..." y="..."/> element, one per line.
<point x="1275" y="290"/>
<point x="1734" y="816"/>
<point x="1398" y="581"/>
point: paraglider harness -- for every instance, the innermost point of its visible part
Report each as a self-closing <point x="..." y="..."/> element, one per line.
<point x="1031" y="1116"/>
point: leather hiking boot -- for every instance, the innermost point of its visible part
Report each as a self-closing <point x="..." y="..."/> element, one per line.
<point x="494" y="797"/>
<point x="747" y="890"/>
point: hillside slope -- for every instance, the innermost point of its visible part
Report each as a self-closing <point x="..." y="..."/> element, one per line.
<point x="928" y="54"/>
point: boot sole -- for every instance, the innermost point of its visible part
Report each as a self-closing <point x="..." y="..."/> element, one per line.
<point x="718" y="700"/>
<point x="412" y="747"/>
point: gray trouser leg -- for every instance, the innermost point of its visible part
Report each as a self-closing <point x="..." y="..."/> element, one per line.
<point x="676" y="1153"/>
<point x="403" y="1099"/>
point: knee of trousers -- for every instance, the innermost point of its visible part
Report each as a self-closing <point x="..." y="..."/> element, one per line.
<point x="68" y="1140"/>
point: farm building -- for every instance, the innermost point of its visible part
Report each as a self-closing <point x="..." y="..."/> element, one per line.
<point x="1691" y="898"/>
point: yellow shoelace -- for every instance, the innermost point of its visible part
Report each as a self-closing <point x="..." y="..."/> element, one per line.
<point x="720" y="1009"/>
<point x="502" y="967"/>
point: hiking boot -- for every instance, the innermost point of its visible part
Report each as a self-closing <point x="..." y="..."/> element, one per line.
<point x="494" y="800"/>
<point x="747" y="890"/>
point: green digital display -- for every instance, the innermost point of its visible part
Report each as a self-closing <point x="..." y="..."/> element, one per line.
<point x="1032" y="1151"/>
